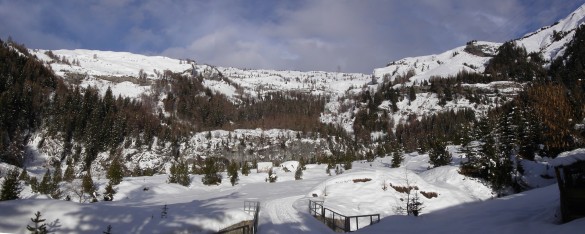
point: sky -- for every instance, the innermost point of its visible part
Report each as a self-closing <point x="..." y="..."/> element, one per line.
<point x="305" y="35"/>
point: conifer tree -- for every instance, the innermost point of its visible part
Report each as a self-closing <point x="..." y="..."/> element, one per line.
<point x="46" y="185"/>
<point x="233" y="173"/>
<point x="438" y="155"/>
<point x="69" y="174"/>
<point x="109" y="194"/>
<point x="115" y="172"/>
<point x="87" y="184"/>
<point x="11" y="187"/>
<point x="245" y="169"/>
<point x="24" y="176"/>
<point x="299" y="173"/>
<point x="39" y="227"/>
<point x="179" y="173"/>
<point x="57" y="174"/>
<point x="210" y="171"/>
<point x="397" y="159"/>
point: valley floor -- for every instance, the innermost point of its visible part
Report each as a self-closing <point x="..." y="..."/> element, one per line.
<point x="462" y="206"/>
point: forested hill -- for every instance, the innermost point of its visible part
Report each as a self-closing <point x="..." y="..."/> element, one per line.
<point x="501" y="104"/>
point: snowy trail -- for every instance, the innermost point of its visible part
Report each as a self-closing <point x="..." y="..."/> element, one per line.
<point x="281" y="216"/>
<point x="282" y="210"/>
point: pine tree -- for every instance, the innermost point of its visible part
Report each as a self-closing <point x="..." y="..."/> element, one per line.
<point x="411" y="93"/>
<point x="39" y="226"/>
<point x="397" y="159"/>
<point x="69" y="174"/>
<point x="115" y="172"/>
<point x="438" y="155"/>
<point x="233" y="173"/>
<point x="299" y="173"/>
<point x="109" y="194"/>
<point x="46" y="185"/>
<point x="11" y="187"/>
<point x="87" y="184"/>
<point x="210" y="171"/>
<point x="245" y="169"/>
<point x="179" y="173"/>
<point x="302" y="164"/>
<point x="24" y="176"/>
<point x="57" y="174"/>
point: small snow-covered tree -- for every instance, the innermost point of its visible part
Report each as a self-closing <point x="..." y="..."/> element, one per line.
<point x="271" y="176"/>
<point x="299" y="173"/>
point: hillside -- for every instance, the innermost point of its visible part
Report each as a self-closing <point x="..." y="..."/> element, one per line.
<point x="97" y="138"/>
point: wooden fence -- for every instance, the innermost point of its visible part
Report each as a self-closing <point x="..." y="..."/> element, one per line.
<point x="245" y="227"/>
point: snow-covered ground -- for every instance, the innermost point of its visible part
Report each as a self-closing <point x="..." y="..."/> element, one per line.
<point x="460" y="206"/>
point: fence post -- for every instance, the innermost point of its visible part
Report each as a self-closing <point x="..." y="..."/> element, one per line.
<point x="347" y="224"/>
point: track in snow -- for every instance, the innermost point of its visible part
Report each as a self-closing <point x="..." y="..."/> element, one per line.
<point x="280" y="216"/>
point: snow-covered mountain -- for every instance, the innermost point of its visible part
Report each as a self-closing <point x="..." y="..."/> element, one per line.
<point x="369" y="187"/>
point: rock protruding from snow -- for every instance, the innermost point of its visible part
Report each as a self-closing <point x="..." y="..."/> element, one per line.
<point x="569" y="157"/>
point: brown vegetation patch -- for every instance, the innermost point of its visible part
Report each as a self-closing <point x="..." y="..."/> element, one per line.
<point x="403" y="189"/>
<point x="429" y="195"/>
<point x="361" y="180"/>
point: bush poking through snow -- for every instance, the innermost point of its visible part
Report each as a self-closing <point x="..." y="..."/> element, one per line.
<point x="429" y="195"/>
<point x="361" y="180"/>
<point x="271" y="176"/>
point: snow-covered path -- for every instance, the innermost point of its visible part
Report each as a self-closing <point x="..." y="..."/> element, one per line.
<point x="283" y="215"/>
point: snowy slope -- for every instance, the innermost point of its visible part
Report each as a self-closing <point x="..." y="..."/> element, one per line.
<point x="139" y="201"/>
<point x="453" y="61"/>
<point x="445" y="64"/>
<point x="543" y="40"/>
<point x="534" y="211"/>
<point x="120" y="70"/>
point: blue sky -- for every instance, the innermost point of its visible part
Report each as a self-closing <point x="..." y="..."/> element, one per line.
<point x="354" y="36"/>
